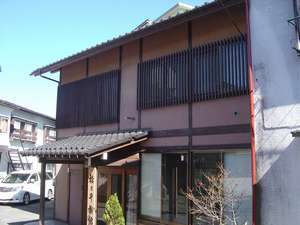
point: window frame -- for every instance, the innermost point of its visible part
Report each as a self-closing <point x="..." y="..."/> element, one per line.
<point x="7" y="125"/>
<point x="190" y="177"/>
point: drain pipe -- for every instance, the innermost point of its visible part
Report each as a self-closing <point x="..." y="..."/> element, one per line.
<point x="252" y="114"/>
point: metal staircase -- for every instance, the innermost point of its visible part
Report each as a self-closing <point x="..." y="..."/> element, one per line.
<point x="15" y="161"/>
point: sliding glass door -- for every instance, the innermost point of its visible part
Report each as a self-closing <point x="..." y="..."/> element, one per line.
<point x="174" y="185"/>
<point x="120" y="181"/>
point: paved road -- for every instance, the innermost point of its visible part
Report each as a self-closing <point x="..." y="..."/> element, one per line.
<point x="18" y="214"/>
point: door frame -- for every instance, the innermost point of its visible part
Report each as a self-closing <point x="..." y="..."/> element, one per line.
<point x="123" y="171"/>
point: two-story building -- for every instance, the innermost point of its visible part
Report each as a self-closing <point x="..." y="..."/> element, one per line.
<point x="20" y="129"/>
<point x="145" y="114"/>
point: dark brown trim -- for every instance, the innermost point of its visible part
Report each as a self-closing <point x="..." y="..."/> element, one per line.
<point x="200" y="131"/>
<point x="87" y="67"/>
<point x="42" y="193"/>
<point x="138" y="82"/>
<point x="117" y="155"/>
<point x="166" y="149"/>
<point x="69" y="193"/>
<point x="190" y="77"/>
<point x="120" y="85"/>
<point x="84" y="192"/>
<point x="62" y="161"/>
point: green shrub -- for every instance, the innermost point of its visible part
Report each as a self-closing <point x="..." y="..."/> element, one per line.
<point x="113" y="213"/>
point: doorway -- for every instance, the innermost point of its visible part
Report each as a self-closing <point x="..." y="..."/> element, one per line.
<point x="123" y="182"/>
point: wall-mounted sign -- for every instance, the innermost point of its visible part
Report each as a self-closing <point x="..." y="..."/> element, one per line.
<point x="92" y="197"/>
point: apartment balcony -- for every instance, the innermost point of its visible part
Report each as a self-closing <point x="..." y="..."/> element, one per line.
<point x="24" y="135"/>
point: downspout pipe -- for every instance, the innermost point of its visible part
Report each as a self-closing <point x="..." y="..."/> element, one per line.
<point x="252" y="114"/>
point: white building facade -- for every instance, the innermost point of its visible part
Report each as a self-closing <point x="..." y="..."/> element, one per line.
<point x="276" y="70"/>
<point x="21" y="128"/>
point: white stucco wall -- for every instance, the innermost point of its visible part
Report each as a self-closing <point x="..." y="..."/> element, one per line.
<point x="6" y="143"/>
<point x="277" y="111"/>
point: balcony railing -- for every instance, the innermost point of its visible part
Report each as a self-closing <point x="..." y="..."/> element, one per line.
<point x="211" y="71"/>
<point x="24" y="135"/>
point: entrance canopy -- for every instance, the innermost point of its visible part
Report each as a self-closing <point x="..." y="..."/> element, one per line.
<point x="87" y="146"/>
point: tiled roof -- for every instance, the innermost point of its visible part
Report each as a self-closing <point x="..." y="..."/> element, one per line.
<point x="85" y="145"/>
<point x="145" y="30"/>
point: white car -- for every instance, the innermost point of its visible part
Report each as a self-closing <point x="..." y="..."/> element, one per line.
<point x="24" y="186"/>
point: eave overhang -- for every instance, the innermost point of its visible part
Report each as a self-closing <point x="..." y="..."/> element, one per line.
<point x="204" y="10"/>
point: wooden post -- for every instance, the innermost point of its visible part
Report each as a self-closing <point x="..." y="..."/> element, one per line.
<point x="92" y="196"/>
<point x="42" y="193"/>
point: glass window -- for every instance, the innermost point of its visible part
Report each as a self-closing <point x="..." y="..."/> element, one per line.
<point x="17" y="125"/>
<point x="131" y="199"/>
<point x="116" y="185"/>
<point x="102" y="193"/>
<point x="174" y="176"/>
<point x="204" y="163"/>
<point x="151" y="185"/>
<point x="28" y="127"/>
<point x="16" y="178"/>
<point x="3" y="125"/>
<point x="52" y="133"/>
<point x="238" y="165"/>
<point x="34" y="178"/>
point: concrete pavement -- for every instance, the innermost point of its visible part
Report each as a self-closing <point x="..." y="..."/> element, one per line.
<point x="18" y="214"/>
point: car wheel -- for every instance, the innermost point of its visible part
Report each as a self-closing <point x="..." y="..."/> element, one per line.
<point x="50" y="194"/>
<point x="26" y="199"/>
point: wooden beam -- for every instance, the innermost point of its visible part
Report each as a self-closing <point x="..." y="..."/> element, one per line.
<point x="116" y="155"/>
<point x="42" y="194"/>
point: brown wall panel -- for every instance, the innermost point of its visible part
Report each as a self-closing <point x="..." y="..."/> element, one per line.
<point x="68" y="132"/>
<point x="130" y="53"/>
<point x="61" y="192"/>
<point x="130" y="58"/>
<point x="227" y="111"/>
<point x="104" y="62"/>
<point x="239" y="138"/>
<point x="128" y="97"/>
<point x="173" y="117"/>
<point x="166" y="42"/>
<point x="73" y="72"/>
<point x="167" y="141"/>
<point x="218" y="26"/>
<point x="102" y="128"/>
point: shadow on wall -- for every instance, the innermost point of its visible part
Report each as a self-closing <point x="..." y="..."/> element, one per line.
<point x="278" y="187"/>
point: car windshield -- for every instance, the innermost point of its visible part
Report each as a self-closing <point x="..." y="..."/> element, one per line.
<point x="48" y="176"/>
<point x="16" y="178"/>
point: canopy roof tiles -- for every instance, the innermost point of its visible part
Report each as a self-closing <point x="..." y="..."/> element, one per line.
<point x="86" y="145"/>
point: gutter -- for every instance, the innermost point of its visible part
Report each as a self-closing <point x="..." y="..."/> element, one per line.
<point x="252" y="114"/>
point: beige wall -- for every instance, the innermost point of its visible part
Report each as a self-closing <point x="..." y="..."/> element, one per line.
<point x="218" y="26"/>
<point x="73" y="72"/>
<point x="130" y="58"/>
<point x="61" y="192"/>
<point x="166" y="42"/>
<point x="104" y="62"/>
<point x="220" y="112"/>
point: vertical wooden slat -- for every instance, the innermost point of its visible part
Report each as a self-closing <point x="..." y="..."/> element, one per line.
<point x="218" y="70"/>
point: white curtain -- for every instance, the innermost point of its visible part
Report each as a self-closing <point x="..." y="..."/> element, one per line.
<point x="151" y="185"/>
<point x="238" y="164"/>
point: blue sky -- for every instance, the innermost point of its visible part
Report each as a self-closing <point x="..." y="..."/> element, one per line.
<point x="34" y="33"/>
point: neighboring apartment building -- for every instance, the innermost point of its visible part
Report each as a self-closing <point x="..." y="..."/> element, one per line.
<point x="20" y="129"/>
<point x="276" y="70"/>
<point x="145" y="114"/>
